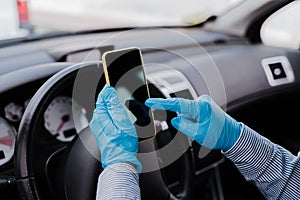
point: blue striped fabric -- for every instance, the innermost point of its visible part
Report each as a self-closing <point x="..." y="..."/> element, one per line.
<point x="273" y="169"/>
<point x="117" y="182"/>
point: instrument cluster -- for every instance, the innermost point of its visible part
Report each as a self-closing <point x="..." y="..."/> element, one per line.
<point x="59" y="122"/>
<point x="11" y="115"/>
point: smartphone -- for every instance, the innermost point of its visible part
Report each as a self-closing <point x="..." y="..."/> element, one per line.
<point x="124" y="70"/>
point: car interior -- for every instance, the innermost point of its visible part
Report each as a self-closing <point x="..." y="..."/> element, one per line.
<point x="49" y="85"/>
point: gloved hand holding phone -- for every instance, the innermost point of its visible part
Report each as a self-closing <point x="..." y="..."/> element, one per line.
<point x="201" y="120"/>
<point x="115" y="134"/>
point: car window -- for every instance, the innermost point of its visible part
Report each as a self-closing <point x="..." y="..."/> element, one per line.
<point x="9" y="19"/>
<point x="282" y="28"/>
<point x="50" y="16"/>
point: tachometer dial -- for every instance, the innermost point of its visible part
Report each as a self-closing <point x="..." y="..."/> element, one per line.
<point x="59" y="118"/>
<point x="13" y="112"/>
<point x="7" y="141"/>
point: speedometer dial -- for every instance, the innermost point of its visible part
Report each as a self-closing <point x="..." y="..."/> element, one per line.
<point x="59" y="118"/>
<point x="7" y="141"/>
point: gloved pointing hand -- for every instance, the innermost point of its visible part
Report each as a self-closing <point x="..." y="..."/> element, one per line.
<point x="115" y="134"/>
<point x="201" y="120"/>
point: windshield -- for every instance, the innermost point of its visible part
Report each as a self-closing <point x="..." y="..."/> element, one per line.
<point x="50" y="16"/>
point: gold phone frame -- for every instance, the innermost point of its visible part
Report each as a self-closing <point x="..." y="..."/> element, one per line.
<point x="146" y="82"/>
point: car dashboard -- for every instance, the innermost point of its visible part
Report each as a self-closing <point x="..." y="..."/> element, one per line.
<point x="257" y="85"/>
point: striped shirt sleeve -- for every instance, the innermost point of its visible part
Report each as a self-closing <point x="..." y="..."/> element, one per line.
<point x="118" y="181"/>
<point x="273" y="169"/>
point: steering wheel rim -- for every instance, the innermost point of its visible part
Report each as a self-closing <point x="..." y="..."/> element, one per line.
<point x="27" y="174"/>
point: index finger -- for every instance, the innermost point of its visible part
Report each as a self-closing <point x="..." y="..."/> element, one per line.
<point x="172" y="104"/>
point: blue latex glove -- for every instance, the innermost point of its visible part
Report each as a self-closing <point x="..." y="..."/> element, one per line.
<point x="201" y="120"/>
<point x="115" y="134"/>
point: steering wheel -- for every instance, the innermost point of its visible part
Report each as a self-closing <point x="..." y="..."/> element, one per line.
<point x="47" y="169"/>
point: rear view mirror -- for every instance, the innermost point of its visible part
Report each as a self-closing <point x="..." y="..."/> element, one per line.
<point x="281" y="29"/>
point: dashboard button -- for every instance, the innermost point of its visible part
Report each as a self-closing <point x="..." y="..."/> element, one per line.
<point x="277" y="70"/>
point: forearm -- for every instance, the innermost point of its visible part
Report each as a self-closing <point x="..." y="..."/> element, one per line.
<point x="272" y="168"/>
<point x="118" y="181"/>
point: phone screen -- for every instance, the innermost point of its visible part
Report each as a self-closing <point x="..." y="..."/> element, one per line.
<point x="125" y="72"/>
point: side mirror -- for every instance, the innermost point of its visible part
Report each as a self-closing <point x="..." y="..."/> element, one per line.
<point x="281" y="29"/>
